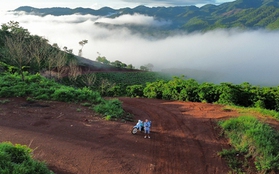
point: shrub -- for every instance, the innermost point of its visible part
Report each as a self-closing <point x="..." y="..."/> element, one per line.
<point x="108" y="117"/>
<point x="110" y="107"/>
<point x="65" y="94"/>
<point x="154" y="90"/>
<point x="135" y="91"/>
<point x="17" y="159"/>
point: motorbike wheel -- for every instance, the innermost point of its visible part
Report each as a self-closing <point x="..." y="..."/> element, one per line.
<point x="134" y="131"/>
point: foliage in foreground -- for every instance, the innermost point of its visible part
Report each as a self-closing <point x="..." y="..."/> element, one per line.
<point x="17" y="159"/>
<point x="38" y="87"/>
<point x="252" y="139"/>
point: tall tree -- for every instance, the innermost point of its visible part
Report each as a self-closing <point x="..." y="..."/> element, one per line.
<point x="38" y="49"/>
<point x="17" y="53"/>
<point x="82" y="43"/>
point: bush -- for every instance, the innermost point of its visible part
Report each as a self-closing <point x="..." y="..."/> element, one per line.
<point x="154" y="90"/>
<point x="17" y="159"/>
<point x="115" y="90"/>
<point x="65" y="94"/>
<point x="135" y="91"/>
<point x="112" y="108"/>
<point x="38" y="87"/>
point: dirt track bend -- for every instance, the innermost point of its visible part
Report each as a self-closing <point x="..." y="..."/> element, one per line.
<point x="184" y="138"/>
<point x="73" y="141"/>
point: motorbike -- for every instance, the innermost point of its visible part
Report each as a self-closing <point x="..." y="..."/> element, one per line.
<point x="138" y="127"/>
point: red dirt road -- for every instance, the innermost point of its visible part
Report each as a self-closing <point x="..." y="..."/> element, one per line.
<point x="72" y="140"/>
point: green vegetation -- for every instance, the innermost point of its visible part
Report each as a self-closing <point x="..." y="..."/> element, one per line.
<point x="23" y="56"/>
<point x="253" y="110"/>
<point x="15" y="159"/>
<point x="252" y="140"/>
<point x="114" y="84"/>
<point x="113" y="108"/>
<point x="233" y="160"/>
<point x="36" y="87"/>
<point x="245" y="94"/>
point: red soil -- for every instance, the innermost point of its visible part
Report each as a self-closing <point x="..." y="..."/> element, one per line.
<point x="71" y="139"/>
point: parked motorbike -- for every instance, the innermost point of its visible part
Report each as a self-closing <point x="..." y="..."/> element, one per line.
<point x="137" y="127"/>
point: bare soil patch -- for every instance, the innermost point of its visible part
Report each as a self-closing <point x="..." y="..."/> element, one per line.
<point x="71" y="139"/>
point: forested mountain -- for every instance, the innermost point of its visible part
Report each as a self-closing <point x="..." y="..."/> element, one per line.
<point x="244" y="14"/>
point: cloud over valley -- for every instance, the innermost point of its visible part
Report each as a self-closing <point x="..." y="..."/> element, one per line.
<point x="230" y="55"/>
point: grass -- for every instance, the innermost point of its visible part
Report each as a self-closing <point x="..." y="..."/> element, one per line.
<point x="260" y="111"/>
<point x="231" y="156"/>
<point x="252" y="139"/>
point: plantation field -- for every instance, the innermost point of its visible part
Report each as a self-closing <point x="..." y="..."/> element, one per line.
<point x="72" y="140"/>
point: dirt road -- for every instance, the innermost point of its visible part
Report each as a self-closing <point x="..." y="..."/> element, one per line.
<point x="72" y="140"/>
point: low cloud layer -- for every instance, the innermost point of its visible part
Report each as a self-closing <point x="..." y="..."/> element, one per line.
<point x="177" y="2"/>
<point x="232" y="55"/>
<point x="136" y="19"/>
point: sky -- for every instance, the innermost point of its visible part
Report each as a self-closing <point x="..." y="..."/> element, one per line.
<point x="232" y="55"/>
<point x="96" y="4"/>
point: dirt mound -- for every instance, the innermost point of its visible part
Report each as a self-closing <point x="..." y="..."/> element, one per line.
<point x="72" y="140"/>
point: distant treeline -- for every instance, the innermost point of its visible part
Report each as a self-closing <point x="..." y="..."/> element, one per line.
<point x="183" y="89"/>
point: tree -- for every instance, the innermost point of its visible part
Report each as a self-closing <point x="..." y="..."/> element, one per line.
<point x="207" y="92"/>
<point x="74" y="70"/>
<point x="89" y="79"/>
<point x="149" y="66"/>
<point x="61" y="61"/>
<point x="51" y="58"/>
<point x="13" y="27"/>
<point x="17" y="53"/>
<point x="102" y="60"/>
<point x="70" y="51"/>
<point x="130" y="66"/>
<point x="118" y="64"/>
<point x="82" y="43"/>
<point x="38" y="48"/>
<point x="143" y="68"/>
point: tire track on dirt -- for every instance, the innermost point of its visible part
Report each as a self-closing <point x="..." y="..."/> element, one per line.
<point x="168" y="157"/>
<point x="181" y="142"/>
<point x="139" y="111"/>
<point x="185" y="132"/>
<point x="182" y="137"/>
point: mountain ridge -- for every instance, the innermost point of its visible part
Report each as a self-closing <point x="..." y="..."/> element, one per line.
<point x="244" y="14"/>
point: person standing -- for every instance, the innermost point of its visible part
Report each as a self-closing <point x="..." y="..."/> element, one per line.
<point x="147" y="126"/>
